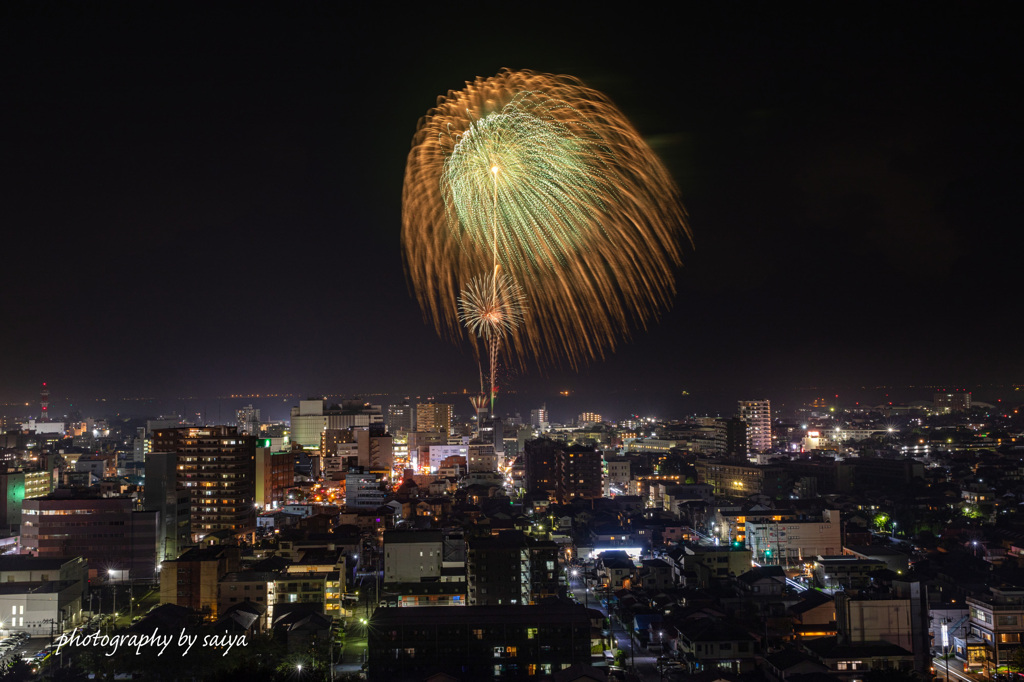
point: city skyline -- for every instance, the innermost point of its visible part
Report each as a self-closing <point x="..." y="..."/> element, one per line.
<point x="205" y="208"/>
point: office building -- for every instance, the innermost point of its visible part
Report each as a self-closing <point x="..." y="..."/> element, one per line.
<point x="790" y="540"/>
<point x="311" y="417"/>
<point x="399" y="417"/>
<point x="116" y="542"/>
<point x="364" y="489"/>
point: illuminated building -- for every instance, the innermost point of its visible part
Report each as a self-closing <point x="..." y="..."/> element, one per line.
<point x="104" y="530"/>
<point x="192" y="579"/>
<point x="218" y="468"/>
<point x="38" y="483"/>
<point x="741" y="479"/>
<point x="248" y="420"/>
<point x="311" y="417"/>
<point x="959" y="401"/>
<point x="399" y="417"/>
<point x="788" y="540"/>
<point x="589" y="418"/>
<point x="539" y="418"/>
<point x="275" y="474"/>
<point x="579" y="474"/>
<point x="758" y="416"/>
<point x="13" y="485"/>
<point x="434" y="417"/>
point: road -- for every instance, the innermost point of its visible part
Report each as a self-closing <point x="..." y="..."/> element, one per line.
<point x="641" y="664"/>
<point x="955" y="671"/>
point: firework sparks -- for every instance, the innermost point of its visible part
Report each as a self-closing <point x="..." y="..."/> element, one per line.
<point x="492" y="306"/>
<point x="543" y="179"/>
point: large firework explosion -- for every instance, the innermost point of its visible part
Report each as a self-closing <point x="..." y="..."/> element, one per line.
<point x="545" y="179"/>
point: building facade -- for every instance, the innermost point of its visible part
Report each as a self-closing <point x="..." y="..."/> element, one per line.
<point x="218" y="468"/>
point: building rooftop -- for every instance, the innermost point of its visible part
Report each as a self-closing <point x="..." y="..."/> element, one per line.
<point x="18" y="562"/>
<point x="483" y="615"/>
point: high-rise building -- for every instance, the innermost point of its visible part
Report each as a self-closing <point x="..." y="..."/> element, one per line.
<point x="565" y="473"/>
<point x="758" y="416"/>
<point x="249" y="420"/>
<point x="218" y="468"/>
<point x="12" y="483"/>
<point x="399" y="417"/>
<point x="736" y="438"/>
<point x="588" y="418"/>
<point x="541" y="459"/>
<point x="539" y="418"/>
<point x="579" y="474"/>
<point x="275" y="474"/>
<point x="165" y="493"/>
<point x="434" y="417"/>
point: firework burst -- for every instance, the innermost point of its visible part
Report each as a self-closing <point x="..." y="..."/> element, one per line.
<point x="492" y="306"/>
<point x="544" y="180"/>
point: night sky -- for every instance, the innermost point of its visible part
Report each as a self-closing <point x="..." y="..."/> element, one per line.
<point x="208" y="203"/>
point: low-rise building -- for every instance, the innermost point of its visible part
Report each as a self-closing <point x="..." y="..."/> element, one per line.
<point x="477" y="642"/>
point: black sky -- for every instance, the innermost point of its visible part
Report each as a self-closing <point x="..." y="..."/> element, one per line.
<point x="208" y="202"/>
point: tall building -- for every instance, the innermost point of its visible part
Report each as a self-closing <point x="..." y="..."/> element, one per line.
<point x="218" y="468"/>
<point x="399" y="417"/>
<point x="579" y="474"/>
<point x="541" y="465"/>
<point x="564" y="472"/>
<point x="434" y="417"/>
<point x="248" y="420"/>
<point x="735" y="438"/>
<point x="758" y="416"/>
<point x="275" y="474"/>
<point x="539" y="418"/>
<point x="13" y="485"/>
<point x="165" y="493"/>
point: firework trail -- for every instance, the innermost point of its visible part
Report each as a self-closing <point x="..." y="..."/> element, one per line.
<point x="543" y="179"/>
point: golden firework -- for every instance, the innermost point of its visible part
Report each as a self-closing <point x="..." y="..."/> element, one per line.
<point x="545" y="179"/>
